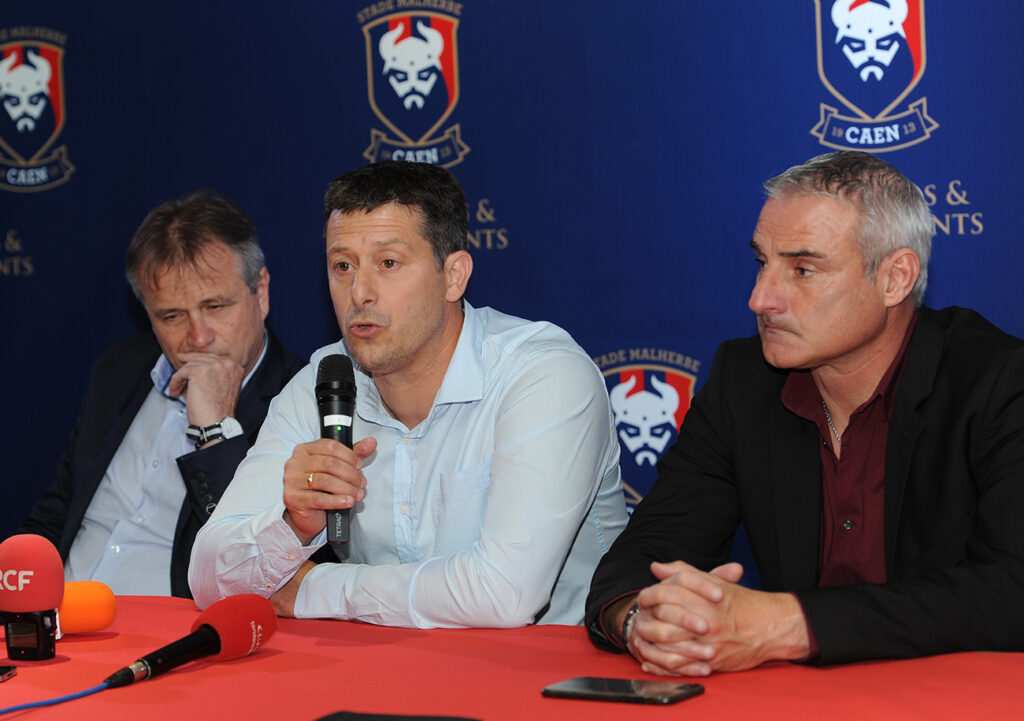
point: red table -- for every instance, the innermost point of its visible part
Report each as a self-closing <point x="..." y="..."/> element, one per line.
<point x="310" y="669"/>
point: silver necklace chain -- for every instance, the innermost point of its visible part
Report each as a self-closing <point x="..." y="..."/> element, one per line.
<point x="828" y="417"/>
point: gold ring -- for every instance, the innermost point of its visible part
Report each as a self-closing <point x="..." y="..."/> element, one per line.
<point x="309" y="481"/>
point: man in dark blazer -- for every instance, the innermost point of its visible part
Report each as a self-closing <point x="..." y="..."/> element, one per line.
<point x="873" y="449"/>
<point x="168" y="415"/>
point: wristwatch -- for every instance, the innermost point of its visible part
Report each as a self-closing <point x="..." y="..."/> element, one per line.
<point x="627" y="623"/>
<point x="201" y="435"/>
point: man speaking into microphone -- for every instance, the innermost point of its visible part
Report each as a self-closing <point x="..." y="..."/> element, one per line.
<point x="483" y="485"/>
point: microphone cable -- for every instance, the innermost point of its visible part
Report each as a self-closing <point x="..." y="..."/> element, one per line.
<point x="55" y="701"/>
<point x="232" y="627"/>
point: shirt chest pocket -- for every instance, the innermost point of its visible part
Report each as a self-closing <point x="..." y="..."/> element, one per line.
<point x="460" y="506"/>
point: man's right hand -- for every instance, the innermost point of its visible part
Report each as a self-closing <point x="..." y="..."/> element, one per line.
<point x="210" y="384"/>
<point x="337" y="482"/>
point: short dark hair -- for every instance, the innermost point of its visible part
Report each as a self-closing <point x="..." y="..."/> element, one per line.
<point x="175" y="233"/>
<point x="430" y="189"/>
<point x="892" y="209"/>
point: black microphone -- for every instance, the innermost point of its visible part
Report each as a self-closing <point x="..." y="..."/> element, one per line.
<point x="230" y="628"/>
<point x="336" y="402"/>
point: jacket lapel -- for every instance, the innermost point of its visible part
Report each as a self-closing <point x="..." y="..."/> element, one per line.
<point x="916" y="383"/>
<point x="124" y="412"/>
<point x="795" y="473"/>
<point x="252" y="404"/>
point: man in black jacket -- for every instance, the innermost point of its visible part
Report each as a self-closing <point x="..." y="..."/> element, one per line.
<point x="168" y="416"/>
<point x="872" y="447"/>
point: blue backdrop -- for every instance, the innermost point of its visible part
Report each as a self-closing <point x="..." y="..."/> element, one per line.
<point x="612" y="155"/>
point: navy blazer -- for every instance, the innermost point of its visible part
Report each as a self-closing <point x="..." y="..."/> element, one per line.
<point x="954" y="494"/>
<point x="118" y="385"/>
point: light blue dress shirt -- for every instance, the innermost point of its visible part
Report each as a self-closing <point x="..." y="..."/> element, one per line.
<point x="128" y="530"/>
<point x="127" y="535"/>
<point x="492" y="512"/>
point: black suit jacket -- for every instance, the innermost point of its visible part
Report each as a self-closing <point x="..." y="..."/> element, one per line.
<point x="117" y="388"/>
<point x="954" y="497"/>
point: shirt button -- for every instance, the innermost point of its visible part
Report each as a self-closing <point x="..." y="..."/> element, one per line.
<point x="291" y="556"/>
<point x="406" y="440"/>
<point x="115" y="549"/>
<point x="156" y="463"/>
<point x="848" y="524"/>
<point x="404" y="509"/>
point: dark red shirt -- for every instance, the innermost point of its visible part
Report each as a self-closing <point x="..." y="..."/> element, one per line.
<point x="852" y="548"/>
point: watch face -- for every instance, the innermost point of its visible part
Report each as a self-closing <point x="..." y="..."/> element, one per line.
<point x="230" y="427"/>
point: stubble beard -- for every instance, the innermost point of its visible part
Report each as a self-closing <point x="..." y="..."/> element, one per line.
<point x="370" y="365"/>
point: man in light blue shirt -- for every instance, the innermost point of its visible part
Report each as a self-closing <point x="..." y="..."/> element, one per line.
<point x="484" y="484"/>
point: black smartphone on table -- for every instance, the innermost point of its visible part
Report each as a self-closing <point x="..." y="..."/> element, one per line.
<point x="623" y="689"/>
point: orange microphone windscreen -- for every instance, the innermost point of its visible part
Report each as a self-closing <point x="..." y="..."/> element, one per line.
<point x="88" y="606"/>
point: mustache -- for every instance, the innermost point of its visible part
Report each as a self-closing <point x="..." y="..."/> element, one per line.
<point x="765" y="322"/>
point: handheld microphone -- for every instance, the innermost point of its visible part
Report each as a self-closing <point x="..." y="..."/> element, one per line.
<point x="31" y="588"/>
<point x="233" y="627"/>
<point x="336" y="401"/>
<point x="87" y="606"/>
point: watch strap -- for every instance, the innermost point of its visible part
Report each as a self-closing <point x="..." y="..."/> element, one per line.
<point x="201" y="435"/>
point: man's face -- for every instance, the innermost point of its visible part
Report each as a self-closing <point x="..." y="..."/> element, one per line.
<point x="814" y="304"/>
<point x="208" y="308"/>
<point x="391" y="299"/>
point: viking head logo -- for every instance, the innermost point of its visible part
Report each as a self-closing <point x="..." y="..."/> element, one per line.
<point x="413" y="72"/>
<point x="648" y="403"/>
<point x="24" y="90"/>
<point x="645" y="421"/>
<point x="412" y="65"/>
<point x="32" y="96"/>
<point x="870" y="33"/>
<point x="871" y="53"/>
